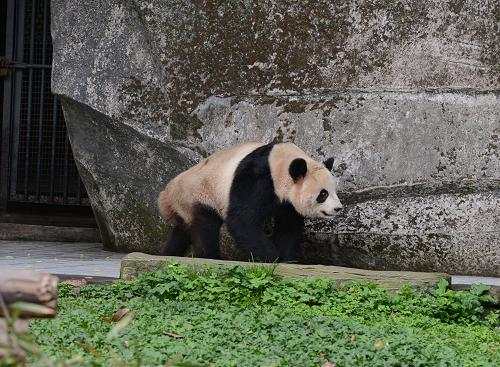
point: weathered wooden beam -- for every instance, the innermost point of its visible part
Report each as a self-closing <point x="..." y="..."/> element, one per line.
<point x="135" y="263"/>
<point x="19" y="288"/>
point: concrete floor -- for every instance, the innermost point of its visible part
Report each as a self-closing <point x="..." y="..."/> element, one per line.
<point x="60" y="258"/>
<point x="89" y="259"/>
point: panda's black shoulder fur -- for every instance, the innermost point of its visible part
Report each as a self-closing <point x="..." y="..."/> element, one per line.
<point x="253" y="175"/>
<point x="252" y="200"/>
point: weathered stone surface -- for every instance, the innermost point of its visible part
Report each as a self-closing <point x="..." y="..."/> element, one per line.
<point x="377" y="138"/>
<point x="123" y="172"/>
<point x="405" y="96"/>
<point x="136" y="263"/>
<point x="424" y="232"/>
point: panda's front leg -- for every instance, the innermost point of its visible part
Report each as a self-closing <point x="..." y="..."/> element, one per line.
<point x="247" y="230"/>
<point x="288" y="230"/>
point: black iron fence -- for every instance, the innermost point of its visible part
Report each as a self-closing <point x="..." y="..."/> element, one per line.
<point x="36" y="162"/>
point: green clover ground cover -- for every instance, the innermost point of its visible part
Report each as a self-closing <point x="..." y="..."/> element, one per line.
<point x="250" y="317"/>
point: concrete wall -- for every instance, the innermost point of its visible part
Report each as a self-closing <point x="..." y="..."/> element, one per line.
<point x="403" y="93"/>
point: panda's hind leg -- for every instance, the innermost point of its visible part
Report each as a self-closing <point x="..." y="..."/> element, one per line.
<point x="178" y="239"/>
<point x="205" y="231"/>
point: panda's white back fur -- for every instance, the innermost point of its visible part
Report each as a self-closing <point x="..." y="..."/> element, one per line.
<point x="208" y="183"/>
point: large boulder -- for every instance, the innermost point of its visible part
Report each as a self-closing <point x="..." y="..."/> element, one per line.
<point x="404" y="95"/>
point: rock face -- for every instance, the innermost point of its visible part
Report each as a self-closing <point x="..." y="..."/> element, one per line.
<point x="404" y="95"/>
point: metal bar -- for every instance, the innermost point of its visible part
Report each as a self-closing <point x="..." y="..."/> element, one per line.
<point x="21" y="65"/>
<point x="30" y="87"/>
<point x="79" y="189"/>
<point x="5" y="146"/>
<point x="42" y="93"/>
<point x="65" y="185"/>
<point x="10" y="32"/>
<point x="16" y="99"/>
<point x="55" y="112"/>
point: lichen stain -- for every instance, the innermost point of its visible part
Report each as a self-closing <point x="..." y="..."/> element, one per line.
<point x="492" y="147"/>
<point x="456" y="6"/>
<point x="138" y="227"/>
<point x="249" y="48"/>
<point x="148" y="102"/>
<point x="137" y="96"/>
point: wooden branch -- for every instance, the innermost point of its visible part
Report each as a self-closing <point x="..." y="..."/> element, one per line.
<point x="18" y="288"/>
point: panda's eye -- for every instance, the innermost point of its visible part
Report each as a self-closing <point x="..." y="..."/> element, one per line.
<point x="323" y="194"/>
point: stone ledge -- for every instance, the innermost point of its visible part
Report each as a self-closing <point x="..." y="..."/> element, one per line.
<point x="32" y="232"/>
<point x="136" y="263"/>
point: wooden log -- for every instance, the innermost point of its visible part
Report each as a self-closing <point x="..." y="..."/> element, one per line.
<point x="135" y="263"/>
<point x="8" y="341"/>
<point x="18" y="288"/>
<point x="18" y="327"/>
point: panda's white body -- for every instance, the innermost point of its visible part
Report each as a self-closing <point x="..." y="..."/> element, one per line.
<point x="241" y="186"/>
<point x="208" y="183"/>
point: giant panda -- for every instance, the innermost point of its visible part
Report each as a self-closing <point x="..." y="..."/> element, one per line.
<point x="243" y="187"/>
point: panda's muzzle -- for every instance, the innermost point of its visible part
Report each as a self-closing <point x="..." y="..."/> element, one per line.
<point x="336" y="210"/>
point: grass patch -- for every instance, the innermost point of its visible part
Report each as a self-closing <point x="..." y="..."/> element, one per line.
<point x="250" y="317"/>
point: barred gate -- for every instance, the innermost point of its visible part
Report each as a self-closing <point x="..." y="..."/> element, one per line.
<point x="36" y="162"/>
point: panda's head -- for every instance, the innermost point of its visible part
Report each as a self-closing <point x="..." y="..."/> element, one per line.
<point x="313" y="192"/>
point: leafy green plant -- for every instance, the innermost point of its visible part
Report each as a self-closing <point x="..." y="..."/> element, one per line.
<point x="251" y="317"/>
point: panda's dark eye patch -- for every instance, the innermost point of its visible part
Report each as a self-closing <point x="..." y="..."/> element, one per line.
<point x="323" y="195"/>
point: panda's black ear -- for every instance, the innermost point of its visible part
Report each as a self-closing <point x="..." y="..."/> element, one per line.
<point x="329" y="163"/>
<point x="297" y="169"/>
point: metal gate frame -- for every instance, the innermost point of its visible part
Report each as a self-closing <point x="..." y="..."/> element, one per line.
<point x="11" y="53"/>
<point x="13" y="84"/>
